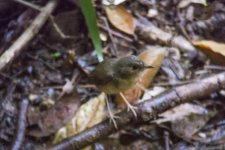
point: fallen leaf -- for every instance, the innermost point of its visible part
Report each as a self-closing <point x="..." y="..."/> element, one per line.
<point x="48" y="122"/>
<point x="87" y="116"/>
<point x="153" y="56"/>
<point x="186" y="119"/>
<point x="180" y="112"/>
<point x="215" y="51"/>
<point x="121" y="19"/>
<point x="189" y="125"/>
<point x="91" y="113"/>
<point x="112" y="2"/>
<point x="185" y="3"/>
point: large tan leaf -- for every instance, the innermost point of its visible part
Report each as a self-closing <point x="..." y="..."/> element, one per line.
<point x="186" y="119"/>
<point x="121" y="19"/>
<point x="88" y="115"/>
<point x="151" y="56"/>
<point x="215" y="51"/>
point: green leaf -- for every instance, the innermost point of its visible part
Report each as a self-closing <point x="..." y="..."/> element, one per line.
<point x="55" y="55"/>
<point x="91" y="21"/>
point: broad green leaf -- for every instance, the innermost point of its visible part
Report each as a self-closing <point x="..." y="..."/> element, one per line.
<point x="91" y="21"/>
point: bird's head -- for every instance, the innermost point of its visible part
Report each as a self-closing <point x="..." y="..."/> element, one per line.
<point x="129" y="66"/>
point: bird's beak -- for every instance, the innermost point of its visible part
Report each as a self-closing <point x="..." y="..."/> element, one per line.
<point x="147" y="67"/>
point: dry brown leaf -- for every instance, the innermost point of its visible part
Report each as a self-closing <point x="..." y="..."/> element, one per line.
<point x="87" y="116"/>
<point x="215" y="51"/>
<point x="186" y="119"/>
<point x="48" y="122"/>
<point x="151" y="56"/>
<point x="121" y="19"/>
<point x="180" y="112"/>
<point x="190" y="125"/>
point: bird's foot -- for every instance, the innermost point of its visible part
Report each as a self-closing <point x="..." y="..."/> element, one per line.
<point x="132" y="109"/>
<point x="112" y="119"/>
<point x="129" y="106"/>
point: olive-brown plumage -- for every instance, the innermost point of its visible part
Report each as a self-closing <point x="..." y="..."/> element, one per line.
<point x="117" y="74"/>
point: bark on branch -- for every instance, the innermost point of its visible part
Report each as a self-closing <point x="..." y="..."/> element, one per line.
<point x="147" y="111"/>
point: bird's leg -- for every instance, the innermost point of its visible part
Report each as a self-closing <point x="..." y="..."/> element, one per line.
<point x="129" y="106"/>
<point x="111" y="115"/>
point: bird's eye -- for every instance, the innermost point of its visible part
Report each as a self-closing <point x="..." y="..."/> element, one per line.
<point x="134" y="67"/>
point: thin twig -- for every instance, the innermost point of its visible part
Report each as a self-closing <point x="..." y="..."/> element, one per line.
<point x="28" y="4"/>
<point x="58" y="30"/>
<point x="147" y="111"/>
<point x="117" y="34"/>
<point x="114" y="47"/>
<point x="214" y="67"/>
<point x="21" y="128"/>
<point x="16" y="48"/>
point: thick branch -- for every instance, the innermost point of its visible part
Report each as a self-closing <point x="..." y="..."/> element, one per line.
<point x="147" y="111"/>
<point x="16" y="48"/>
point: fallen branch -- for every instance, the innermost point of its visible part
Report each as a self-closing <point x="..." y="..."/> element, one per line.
<point x="12" y="52"/>
<point x="21" y="128"/>
<point x="28" y="4"/>
<point x="151" y="33"/>
<point x="147" y="111"/>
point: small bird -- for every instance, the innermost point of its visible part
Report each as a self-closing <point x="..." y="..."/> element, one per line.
<point x="116" y="75"/>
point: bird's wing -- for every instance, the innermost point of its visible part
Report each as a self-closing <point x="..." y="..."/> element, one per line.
<point x="103" y="79"/>
<point x="102" y="75"/>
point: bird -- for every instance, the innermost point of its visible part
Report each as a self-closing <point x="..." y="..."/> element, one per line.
<point x="116" y="75"/>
